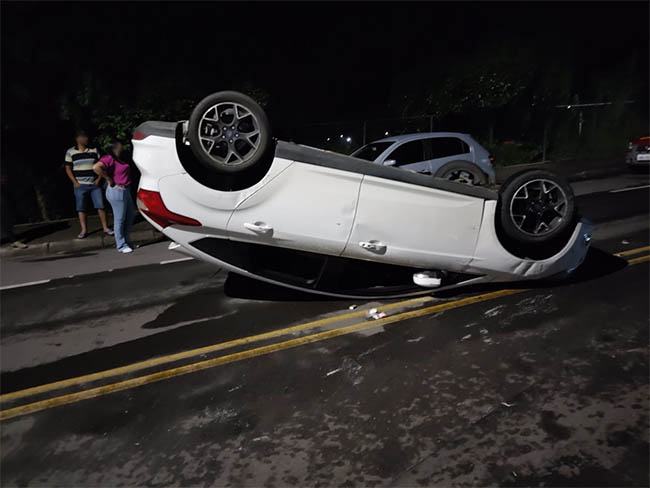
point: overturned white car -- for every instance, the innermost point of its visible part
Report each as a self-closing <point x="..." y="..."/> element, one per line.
<point x="225" y="192"/>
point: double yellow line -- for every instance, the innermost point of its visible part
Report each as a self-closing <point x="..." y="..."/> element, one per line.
<point x="632" y="252"/>
<point x="246" y="354"/>
<point x="230" y="358"/>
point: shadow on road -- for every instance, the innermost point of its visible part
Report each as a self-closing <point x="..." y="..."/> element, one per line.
<point x="238" y="286"/>
<point x="597" y="264"/>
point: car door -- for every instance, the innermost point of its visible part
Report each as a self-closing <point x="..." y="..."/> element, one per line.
<point x="410" y="155"/>
<point x="412" y="225"/>
<point x="306" y="207"/>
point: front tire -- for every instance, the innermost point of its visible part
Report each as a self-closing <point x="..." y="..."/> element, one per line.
<point x="229" y="132"/>
<point x="536" y="209"/>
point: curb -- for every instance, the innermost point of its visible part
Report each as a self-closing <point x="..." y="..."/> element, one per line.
<point x="76" y="245"/>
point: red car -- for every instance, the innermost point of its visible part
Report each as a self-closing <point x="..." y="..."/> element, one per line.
<point x="638" y="153"/>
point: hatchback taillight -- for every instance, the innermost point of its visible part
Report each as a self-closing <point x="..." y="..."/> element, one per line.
<point x="138" y="136"/>
<point x="151" y="204"/>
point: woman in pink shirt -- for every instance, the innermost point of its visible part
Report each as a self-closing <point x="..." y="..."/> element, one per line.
<point x="118" y="175"/>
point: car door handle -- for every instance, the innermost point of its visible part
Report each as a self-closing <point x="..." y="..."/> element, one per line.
<point x="374" y="246"/>
<point x="258" y="227"/>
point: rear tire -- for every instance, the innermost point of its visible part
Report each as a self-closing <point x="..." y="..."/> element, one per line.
<point x="536" y="209"/>
<point x="229" y="132"/>
<point x="462" y="172"/>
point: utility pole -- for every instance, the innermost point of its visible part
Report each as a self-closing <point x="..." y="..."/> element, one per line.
<point x="364" y="133"/>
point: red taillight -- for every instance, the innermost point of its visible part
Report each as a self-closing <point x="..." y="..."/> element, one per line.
<point x="138" y="136"/>
<point x="150" y="203"/>
<point x="491" y="158"/>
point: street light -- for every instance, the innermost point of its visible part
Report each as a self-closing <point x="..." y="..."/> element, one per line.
<point x="348" y="139"/>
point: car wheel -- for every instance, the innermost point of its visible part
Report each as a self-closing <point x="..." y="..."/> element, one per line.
<point x="462" y="172"/>
<point x="229" y="132"/>
<point x="536" y="207"/>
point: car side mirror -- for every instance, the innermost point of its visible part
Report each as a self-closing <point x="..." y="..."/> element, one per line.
<point x="390" y="162"/>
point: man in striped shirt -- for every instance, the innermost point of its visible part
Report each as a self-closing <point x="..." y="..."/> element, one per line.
<point x="79" y="161"/>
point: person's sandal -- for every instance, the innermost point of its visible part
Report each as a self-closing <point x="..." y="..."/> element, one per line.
<point x="82" y="235"/>
<point x="109" y="232"/>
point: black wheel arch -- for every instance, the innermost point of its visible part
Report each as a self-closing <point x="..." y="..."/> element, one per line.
<point x="484" y="178"/>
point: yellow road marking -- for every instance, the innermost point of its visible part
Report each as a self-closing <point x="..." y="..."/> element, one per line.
<point x="642" y="259"/>
<point x="630" y="252"/>
<point x="239" y="356"/>
<point x="130" y="368"/>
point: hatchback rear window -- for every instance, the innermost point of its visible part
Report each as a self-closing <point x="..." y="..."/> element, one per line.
<point x="442" y="147"/>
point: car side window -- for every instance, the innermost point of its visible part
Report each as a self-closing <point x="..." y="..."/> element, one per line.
<point x="408" y="153"/>
<point x="442" y="147"/>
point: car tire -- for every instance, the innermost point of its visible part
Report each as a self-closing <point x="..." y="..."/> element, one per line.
<point x="462" y="172"/>
<point x="229" y="132"/>
<point x="536" y="209"/>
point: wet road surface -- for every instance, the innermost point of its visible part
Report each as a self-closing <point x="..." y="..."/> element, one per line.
<point x="222" y="386"/>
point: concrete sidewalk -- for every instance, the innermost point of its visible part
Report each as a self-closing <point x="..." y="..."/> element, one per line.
<point x="61" y="236"/>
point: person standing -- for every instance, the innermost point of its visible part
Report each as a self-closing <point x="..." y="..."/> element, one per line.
<point x="79" y="161"/>
<point x="117" y="173"/>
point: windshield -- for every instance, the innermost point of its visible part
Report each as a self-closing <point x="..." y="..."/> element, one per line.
<point x="371" y="151"/>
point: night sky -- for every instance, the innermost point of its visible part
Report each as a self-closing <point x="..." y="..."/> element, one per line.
<point x="317" y="61"/>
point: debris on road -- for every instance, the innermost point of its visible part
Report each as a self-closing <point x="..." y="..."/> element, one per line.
<point x="625" y="241"/>
<point x="262" y="438"/>
<point x="493" y="312"/>
<point x="352" y="307"/>
<point x="371" y="312"/>
<point x="483" y="331"/>
<point x="465" y="337"/>
<point x="506" y="404"/>
<point x="417" y="339"/>
<point x="334" y="371"/>
<point x="379" y="315"/>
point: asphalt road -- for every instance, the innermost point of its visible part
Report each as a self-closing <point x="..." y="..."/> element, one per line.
<point x="177" y="374"/>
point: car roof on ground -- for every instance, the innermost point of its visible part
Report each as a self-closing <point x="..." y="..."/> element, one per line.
<point x="419" y="135"/>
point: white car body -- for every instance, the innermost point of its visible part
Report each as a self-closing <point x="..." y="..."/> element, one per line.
<point x="324" y="204"/>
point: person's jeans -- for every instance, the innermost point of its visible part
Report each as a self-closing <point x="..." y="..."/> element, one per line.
<point x="95" y="193"/>
<point x="123" y="213"/>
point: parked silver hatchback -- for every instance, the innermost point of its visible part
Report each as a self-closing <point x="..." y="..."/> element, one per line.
<point x="450" y="155"/>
